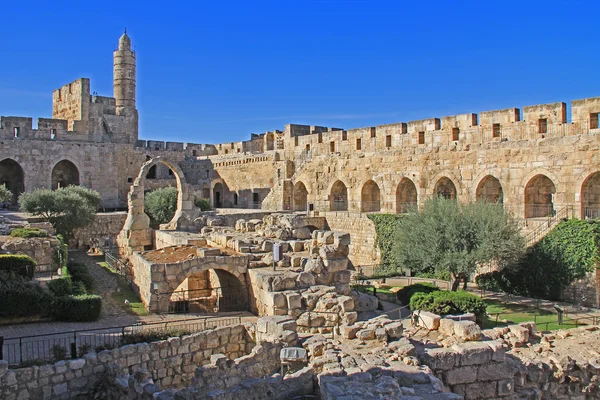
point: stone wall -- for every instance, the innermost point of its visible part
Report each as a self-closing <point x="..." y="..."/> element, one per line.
<point x="42" y="250"/>
<point x="170" y="363"/>
<point x="584" y="291"/>
<point x="104" y="227"/>
<point x="363" y="246"/>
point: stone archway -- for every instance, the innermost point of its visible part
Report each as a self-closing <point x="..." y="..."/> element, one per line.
<point x="300" y="197"/>
<point x="489" y="190"/>
<point x="218" y="194"/>
<point x="64" y="174"/>
<point x="406" y="196"/>
<point x="590" y="196"/>
<point x="370" y="197"/>
<point x="11" y="175"/>
<point x="539" y="197"/>
<point x="338" y="199"/>
<point x="445" y="188"/>
<point x="136" y="234"/>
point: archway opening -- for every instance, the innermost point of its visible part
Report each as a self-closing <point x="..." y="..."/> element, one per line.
<point x="218" y="193"/>
<point x="370" y="197"/>
<point x="209" y="291"/>
<point x="489" y="190"/>
<point x="406" y="196"/>
<point x="339" y="197"/>
<point x="151" y="173"/>
<point x="300" y="197"/>
<point x="539" y="197"/>
<point x="590" y="196"/>
<point x="445" y="188"/>
<point x="64" y="173"/>
<point x="11" y="175"/>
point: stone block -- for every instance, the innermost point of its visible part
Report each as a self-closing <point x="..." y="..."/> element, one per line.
<point x="498" y="352"/>
<point x="366" y="334"/>
<point x="439" y="359"/>
<point x="3" y="368"/>
<point x="460" y="375"/>
<point x="521" y="333"/>
<point x="394" y="330"/>
<point x="429" y="320"/>
<point x="480" y="390"/>
<point x="495" y="371"/>
<point x="467" y="330"/>
<point x="446" y="326"/>
<point x="505" y="387"/>
<point x="476" y="353"/>
<point x="349" y="331"/>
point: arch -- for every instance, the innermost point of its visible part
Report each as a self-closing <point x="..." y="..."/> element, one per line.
<point x="406" y="196"/>
<point x="489" y="190"/>
<point x="444" y="187"/>
<point x="370" y="197"/>
<point x="300" y="197"/>
<point x="64" y="173"/>
<point x="539" y="197"/>
<point x="218" y="193"/>
<point x="136" y="234"/>
<point x="151" y="173"/>
<point x="338" y="197"/>
<point x="12" y="175"/>
<point x="590" y="196"/>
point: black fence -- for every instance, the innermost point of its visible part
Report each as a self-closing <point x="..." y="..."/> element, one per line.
<point x="73" y="344"/>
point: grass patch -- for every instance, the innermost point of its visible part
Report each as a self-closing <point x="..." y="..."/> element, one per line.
<point x="515" y="313"/>
<point x="135" y="306"/>
<point x="369" y="290"/>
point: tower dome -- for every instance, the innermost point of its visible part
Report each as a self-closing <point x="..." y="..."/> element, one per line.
<point x="124" y="42"/>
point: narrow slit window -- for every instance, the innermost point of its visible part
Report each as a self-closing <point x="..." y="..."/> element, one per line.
<point x="388" y="141"/>
<point x="320" y="138"/>
<point x="422" y="137"/>
<point x="594" y="121"/>
<point x="344" y="135"/>
<point x="296" y="141"/>
<point x="455" y="133"/>
<point x="308" y="147"/>
<point x="52" y="133"/>
<point x="16" y="131"/>
<point x="543" y="125"/>
<point x="496" y="130"/>
<point x="332" y="147"/>
<point x="358" y="144"/>
<point x="373" y="132"/>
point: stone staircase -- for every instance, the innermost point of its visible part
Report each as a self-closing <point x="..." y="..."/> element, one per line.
<point x="545" y="225"/>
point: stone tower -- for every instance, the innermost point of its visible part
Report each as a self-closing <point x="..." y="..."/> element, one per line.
<point x="124" y="75"/>
<point x="124" y="85"/>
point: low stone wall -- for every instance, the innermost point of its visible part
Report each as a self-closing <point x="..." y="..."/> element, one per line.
<point x="363" y="246"/>
<point x="170" y="363"/>
<point x="584" y="291"/>
<point x="105" y="227"/>
<point x="42" y="250"/>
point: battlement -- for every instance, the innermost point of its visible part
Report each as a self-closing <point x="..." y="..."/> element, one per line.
<point x="190" y="149"/>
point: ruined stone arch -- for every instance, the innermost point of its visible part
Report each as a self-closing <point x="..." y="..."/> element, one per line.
<point x="338" y="196"/>
<point x="489" y="189"/>
<point x="445" y="187"/>
<point x="65" y="173"/>
<point x="539" y="197"/>
<point x="406" y="196"/>
<point x="218" y="197"/>
<point x="136" y="234"/>
<point x="13" y="176"/>
<point x="370" y="197"/>
<point x="300" y="197"/>
<point x="590" y="196"/>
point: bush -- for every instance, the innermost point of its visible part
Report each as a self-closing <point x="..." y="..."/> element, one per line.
<point x="202" y="204"/>
<point x="5" y="194"/>
<point x="407" y="292"/>
<point x="78" y="308"/>
<point x="445" y="302"/>
<point x="490" y="281"/>
<point x="161" y="204"/>
<point x="62" y="286"/>
<point x="20" y="298"/>
<point x="81" y="273"/>
<point x="18" y="264"/>
<point x="28" y="233"/>
<point x="58" y="352"/>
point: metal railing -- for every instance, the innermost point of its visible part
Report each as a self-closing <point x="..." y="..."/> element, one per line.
<point x="537" y="234"/>
<point x="39" y="348"/>
<point x="591" y="213"/>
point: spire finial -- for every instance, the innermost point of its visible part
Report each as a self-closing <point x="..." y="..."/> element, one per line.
<point x="125" y="30"/>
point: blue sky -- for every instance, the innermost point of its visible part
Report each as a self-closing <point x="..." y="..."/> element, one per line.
<point x="211" y="72"/>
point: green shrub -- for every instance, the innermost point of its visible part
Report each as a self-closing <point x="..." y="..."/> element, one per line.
<point x="78" y="288"/>
<point x="161" y="204"/>
<point x="446" y="302"/>
<point x="81" y="273"/>
<point x="386" y="226"/>
<point x="152" y="336"/>
<point x="407" y="292"/>
<point x="28" y="233"/>
<point x="202" y="204"/>
<point x="62" y="286"/>
<point x="19" y="298"/>
<point x="490" y="281"/>
<point x="58" y="352"/>
<point x="18" y="264"/>
<point x="78" y="308"/>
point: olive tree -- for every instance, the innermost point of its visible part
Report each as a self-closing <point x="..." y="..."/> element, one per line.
<point x="446" y="236"/>
<point x="161" y="204"/>
<point x="66" y="208"/>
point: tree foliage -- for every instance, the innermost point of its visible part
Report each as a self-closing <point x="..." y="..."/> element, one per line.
<point x="5" y="194"/>
<point x="448" y="236"/>
<point x="161" y="204"/>
<point x="66" y="208"/>
<point x="567" y="253"/>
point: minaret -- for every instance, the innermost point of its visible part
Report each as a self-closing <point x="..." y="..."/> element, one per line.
<point x="124" y="75"/>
